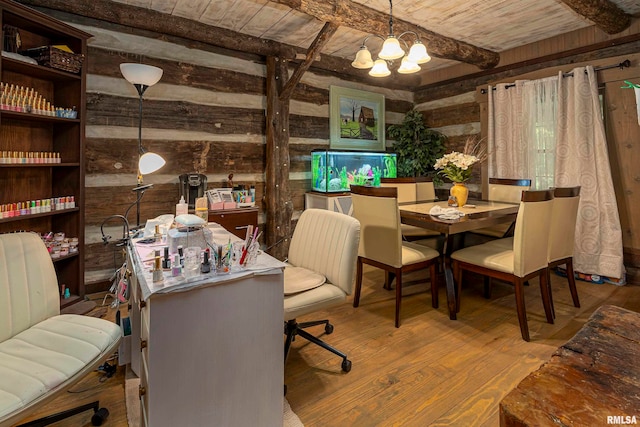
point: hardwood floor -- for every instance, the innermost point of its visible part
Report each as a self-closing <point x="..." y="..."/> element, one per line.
<point x="430" y="371"/>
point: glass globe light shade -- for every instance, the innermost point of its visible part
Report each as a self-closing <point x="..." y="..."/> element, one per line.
<point x="363" y="59"/>
<point x="418" y="53"/>
<point x="380" y="69"/>
<point x="141" y="74"/>
<point x="391" y="49"/>
<point x="408" y="66"/>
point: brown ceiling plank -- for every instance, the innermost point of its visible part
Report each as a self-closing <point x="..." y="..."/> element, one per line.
<point x="353" y="15"/>
<point x="605" y="14"/>
<point x="321" y="39"/>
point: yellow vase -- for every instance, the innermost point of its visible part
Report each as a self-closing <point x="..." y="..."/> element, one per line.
<point x="460" y="191"/>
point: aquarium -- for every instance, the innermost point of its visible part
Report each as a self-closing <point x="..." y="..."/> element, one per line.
<point x="334" y="171"/>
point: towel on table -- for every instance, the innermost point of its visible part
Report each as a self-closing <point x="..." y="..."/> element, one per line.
<point x="445" y="212"/>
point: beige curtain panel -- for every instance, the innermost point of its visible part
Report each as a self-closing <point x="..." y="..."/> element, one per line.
<point x="551" y="131"/>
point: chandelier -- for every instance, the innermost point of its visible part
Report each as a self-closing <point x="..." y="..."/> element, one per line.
<point x="391" y="50"/>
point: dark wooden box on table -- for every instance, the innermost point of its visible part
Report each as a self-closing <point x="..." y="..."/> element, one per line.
<point x="592" y="380"/>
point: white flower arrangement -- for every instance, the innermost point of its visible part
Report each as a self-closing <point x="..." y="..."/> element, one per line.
<point x="456" y="166"/>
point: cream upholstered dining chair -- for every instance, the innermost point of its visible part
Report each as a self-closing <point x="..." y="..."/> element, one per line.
<point x="381" y="242"/>
<point x="320" y="271"/>
<point x="412" y="190"/>
<point x="42" y="352"/>
<point x="521" y="260"/>
<point x="503" y="190"/>
<point x="562" y="235"/>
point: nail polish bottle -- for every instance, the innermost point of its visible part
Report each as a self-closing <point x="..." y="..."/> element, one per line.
<point x="157" y="270"/>
<point x="166" y="261"/>
<point x="176" y="268"/>
<point x="205" y="267"/>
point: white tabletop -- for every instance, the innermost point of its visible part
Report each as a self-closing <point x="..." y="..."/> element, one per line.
<point x="143" y="253"/>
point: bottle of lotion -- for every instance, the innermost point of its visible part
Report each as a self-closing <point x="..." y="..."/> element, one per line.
<point x="182" y="208"/>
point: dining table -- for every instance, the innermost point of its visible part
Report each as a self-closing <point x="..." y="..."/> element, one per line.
<point x="475" y="214"/>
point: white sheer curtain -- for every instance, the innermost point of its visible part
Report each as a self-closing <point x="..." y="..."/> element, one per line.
<point x="582" y="159"/>
<point x="539" y="128"/>
<point x="551" y="131"/>
<point x="521" y="146"/>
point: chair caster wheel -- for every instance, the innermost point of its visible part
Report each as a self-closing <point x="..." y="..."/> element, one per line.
<point x="346" y="365"/>
<point x="328" y="329"/>
<point x="98" y="418"/>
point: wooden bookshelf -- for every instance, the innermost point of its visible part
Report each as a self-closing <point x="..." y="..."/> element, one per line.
<point x="22" y="131"/>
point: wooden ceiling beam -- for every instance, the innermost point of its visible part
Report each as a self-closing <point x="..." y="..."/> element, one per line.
<point x="605" y="14"/>
<point x="354" y="15"/>
<point x="150" y="20"/>
<point x="321" y="39"/>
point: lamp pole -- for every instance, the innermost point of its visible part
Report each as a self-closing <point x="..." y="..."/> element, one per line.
<point x="142" y="77"/>
<point x="141" y="88"/>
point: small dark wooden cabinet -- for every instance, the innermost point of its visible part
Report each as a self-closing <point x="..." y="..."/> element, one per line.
<point x="235" y="220"/>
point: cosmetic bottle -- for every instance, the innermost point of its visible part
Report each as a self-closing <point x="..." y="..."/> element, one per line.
<point x="166" y="261"/>
<point x="205" y="267"/>
<point x="182" y="208"/>
<point x="157" y="270"/>
<point x="176" y="267"/>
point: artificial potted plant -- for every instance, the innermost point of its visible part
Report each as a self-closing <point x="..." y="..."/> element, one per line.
<point x="417" y="146"/>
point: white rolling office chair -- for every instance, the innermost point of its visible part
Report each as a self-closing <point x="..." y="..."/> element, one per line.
<point x="322" y="261"/>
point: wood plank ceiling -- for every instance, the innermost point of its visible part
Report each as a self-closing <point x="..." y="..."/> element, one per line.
<point x="472" y="31"/>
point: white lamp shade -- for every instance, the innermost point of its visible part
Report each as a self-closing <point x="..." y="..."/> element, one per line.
<point x="363" y="59"/>
<point x="418" y="53"/>
<point x="391" y="49"/>
<point x="142" y="74"/>
<point x="380" y="69"/>
<point x="407" y="66"/>
<point x="149" y="163"/>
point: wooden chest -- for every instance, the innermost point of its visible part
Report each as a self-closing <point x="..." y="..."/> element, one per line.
<point x="593" y="379"/>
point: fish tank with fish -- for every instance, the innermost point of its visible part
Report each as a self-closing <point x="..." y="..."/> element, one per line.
<point x="333" y="171"/>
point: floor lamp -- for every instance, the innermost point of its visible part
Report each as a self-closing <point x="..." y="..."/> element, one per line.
<point x="142" y="77"/>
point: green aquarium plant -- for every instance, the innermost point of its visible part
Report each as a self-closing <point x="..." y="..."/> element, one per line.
<point x="390" y="169"/>
<point x="377" y="173"/>
<point x="416" y="145"/>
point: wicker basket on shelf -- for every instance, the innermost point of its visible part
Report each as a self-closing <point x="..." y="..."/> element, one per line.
<point x="11" y="38"/>
<point x="51" y="56"/>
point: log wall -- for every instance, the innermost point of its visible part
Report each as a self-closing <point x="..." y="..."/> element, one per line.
<point x="206" y="115"/>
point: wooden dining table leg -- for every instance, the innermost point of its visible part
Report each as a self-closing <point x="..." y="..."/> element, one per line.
<point x="448" y="276"/>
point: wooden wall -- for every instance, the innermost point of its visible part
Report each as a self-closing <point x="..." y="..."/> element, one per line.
<point x="206" y="115"/>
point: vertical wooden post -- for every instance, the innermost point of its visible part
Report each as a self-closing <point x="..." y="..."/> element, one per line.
<point x="279" y="207"/>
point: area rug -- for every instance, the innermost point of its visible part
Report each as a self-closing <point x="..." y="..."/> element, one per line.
<point x="133" y="404"/>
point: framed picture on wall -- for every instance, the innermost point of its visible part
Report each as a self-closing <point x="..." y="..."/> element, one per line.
<point x="356" y="119"/>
